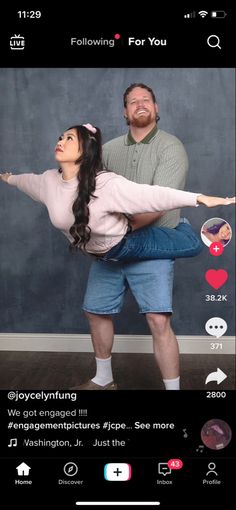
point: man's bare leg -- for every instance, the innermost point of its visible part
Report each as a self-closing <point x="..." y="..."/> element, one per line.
<point x="102" y="333"/>
<point x="166" y="349"/>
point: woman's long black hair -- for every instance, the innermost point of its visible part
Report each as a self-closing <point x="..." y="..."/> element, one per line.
<point x="90" y="164"/>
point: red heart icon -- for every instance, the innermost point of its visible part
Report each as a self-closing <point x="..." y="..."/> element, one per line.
<point x="216" y="278"/>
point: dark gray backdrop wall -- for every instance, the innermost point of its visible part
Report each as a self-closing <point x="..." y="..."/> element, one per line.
<point x="42" y="283"/>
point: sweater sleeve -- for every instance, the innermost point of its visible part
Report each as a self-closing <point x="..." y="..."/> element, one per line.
<point x="128" y="197"/>
<point x="29" y="184"/>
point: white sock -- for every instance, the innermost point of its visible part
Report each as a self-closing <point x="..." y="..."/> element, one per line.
<point x="172" y="384"/>
<point x="104" y="371"/>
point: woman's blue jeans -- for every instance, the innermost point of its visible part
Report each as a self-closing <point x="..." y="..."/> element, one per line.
<point x="150" y="243"/>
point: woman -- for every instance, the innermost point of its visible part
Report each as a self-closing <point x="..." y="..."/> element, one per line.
<point x="91" y="206"/>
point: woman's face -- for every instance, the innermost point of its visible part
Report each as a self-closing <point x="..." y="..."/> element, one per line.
<point x="67" y="149"/>
<point x="224" y="232"/>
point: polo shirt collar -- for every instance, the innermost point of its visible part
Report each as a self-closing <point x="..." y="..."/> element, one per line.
<point x="147" y="139"/>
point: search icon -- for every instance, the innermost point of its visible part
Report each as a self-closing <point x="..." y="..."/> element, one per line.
<point x="213" y="41"/>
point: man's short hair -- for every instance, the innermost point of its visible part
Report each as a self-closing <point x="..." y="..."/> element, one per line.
<point x="133" y="86"/>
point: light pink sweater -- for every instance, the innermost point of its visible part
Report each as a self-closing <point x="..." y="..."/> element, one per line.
<point x="116" y="196"/>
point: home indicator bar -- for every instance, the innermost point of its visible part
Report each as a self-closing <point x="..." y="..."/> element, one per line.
<point x="118" y="503"/>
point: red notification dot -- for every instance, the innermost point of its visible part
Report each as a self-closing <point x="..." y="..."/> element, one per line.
<point x="175" y="464"/>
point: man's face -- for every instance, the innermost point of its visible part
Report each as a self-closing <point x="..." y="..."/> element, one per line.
<point x="140" y="110"/>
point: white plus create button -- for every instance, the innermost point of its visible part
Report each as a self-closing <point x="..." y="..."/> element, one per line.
<point x="117" y="472"/>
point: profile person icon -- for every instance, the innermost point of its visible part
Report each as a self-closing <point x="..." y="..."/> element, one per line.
<point x="211" y="466"/>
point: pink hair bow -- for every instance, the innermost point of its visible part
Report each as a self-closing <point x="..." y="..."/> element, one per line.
<point x="90" y="128"/>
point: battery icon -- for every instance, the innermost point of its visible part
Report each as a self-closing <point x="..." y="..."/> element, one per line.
<point x="218" y="14"/>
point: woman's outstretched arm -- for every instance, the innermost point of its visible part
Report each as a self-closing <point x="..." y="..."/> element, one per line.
<point x="28" y="183"/>
<point x="131" y="198"/>
<point x="128" y="197"/>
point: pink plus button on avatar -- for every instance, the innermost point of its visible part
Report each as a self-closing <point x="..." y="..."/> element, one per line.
<point x="216" y="249"/>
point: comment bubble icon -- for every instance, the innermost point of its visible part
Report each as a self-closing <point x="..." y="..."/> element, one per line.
<point x="163" y="468"/>
<point x="216" y="326"/>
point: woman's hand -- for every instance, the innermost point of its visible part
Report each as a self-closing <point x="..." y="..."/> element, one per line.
<point x="215" y="201"/>
<point x="5" y="177"/>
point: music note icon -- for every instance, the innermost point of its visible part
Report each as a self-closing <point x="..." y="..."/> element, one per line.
<point x="13" y="442"/>
<point x="200" y="448"/>
<point x="185" y="433"/>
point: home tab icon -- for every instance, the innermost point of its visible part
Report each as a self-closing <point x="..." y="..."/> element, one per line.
<point x="23" y="469"/>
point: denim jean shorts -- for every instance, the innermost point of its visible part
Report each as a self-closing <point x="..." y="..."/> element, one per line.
<point x="150" y="281"/>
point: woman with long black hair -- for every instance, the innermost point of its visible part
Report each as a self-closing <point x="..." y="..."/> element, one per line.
<point x="92" y="207"/>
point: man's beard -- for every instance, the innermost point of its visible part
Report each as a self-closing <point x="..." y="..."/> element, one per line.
<point x="141" y="121"/>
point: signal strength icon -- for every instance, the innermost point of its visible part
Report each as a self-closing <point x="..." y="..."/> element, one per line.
<point x="190" y="15"/>
<point x="203" y="14"/>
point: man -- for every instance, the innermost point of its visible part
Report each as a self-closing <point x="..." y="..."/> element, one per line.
<point x="145" y="155"/>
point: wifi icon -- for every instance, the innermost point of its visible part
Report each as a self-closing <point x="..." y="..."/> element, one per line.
<point x="203" y="14"/>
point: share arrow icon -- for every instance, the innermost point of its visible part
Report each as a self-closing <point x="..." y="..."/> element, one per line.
<point x="217" y="376"/>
